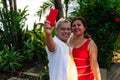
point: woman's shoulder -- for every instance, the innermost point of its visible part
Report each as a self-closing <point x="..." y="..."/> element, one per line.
<point x="91" y="40"/>
<point x="92" y="43"/>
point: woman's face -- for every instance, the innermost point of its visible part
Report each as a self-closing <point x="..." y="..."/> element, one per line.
<point x="78" y="28"/>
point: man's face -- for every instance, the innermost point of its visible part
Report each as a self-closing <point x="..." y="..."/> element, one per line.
<point x="64" y="31"/>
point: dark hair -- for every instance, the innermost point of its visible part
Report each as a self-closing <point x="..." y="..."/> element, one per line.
<point x="86" y="35"/>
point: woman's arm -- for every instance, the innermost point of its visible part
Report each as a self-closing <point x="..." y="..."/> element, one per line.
<point x="93" y="53"/>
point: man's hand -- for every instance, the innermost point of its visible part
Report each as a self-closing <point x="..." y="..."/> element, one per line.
<point x="47" y="28"/>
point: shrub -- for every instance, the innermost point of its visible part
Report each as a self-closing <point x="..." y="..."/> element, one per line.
<point x="117" y="44"/>
<point x="10" y="60"/>
<point x="34" y="45"/>
<point x="103" y="26"/>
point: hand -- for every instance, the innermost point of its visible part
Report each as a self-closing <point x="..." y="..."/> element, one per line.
<point x="47" y="28"/>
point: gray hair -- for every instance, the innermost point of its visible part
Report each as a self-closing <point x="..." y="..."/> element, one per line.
<point x="61" y="21"/>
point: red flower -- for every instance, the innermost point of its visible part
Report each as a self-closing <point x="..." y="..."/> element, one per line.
<point x="112" y="12"/>
<point x="103" y="40"/>
<point x="118" y="36"/>
<point x="117" y="19"/>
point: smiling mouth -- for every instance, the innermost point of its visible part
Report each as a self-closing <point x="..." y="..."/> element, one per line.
<point x="76" y="30"/>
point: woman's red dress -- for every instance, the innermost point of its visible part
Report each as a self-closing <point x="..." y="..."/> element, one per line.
<point x="81" y="58"/>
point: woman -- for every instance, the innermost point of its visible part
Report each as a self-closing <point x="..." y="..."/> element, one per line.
<point x="84" y="51"/>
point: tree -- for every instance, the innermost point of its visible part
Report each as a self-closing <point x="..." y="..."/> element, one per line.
<point x="101" y="18"/>
<point x="13" y="22"/>
<point x="57" y="4"/>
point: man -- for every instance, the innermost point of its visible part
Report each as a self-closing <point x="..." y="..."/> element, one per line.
<point x="58" y="51"/>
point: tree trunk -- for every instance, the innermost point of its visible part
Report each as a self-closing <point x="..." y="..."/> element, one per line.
<point x="58" y="5"/>
<point x="14" y="33"/>
<point x="5" y="6"/>
<point x="66" y="2"/>
<point x="15" y="6"/>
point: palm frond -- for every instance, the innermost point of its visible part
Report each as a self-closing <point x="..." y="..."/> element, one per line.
<point x="42" y="9"/>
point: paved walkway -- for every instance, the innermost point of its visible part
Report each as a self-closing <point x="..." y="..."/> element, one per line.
<point x="112" y="74"/>
<point x="118" y="78"/>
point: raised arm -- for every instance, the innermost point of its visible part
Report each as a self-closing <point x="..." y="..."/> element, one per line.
<point x="49" y="40"/>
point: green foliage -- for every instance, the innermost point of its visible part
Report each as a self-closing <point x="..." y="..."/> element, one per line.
<point x="44" y="7"/>
<point x="34" y="44"/>
<point x="10" y="60"/>
<point x="100" y="16"/>
<point x="30" y="44"/>
<point x="13" y="23"/>
<point x="117" y="45"/>
<point x="44" y="75"/>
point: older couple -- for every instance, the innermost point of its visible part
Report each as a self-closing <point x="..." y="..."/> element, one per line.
<point x="71" y="57"/>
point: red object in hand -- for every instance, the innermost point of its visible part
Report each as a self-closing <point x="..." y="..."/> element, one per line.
<point x="52" y="16"/>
